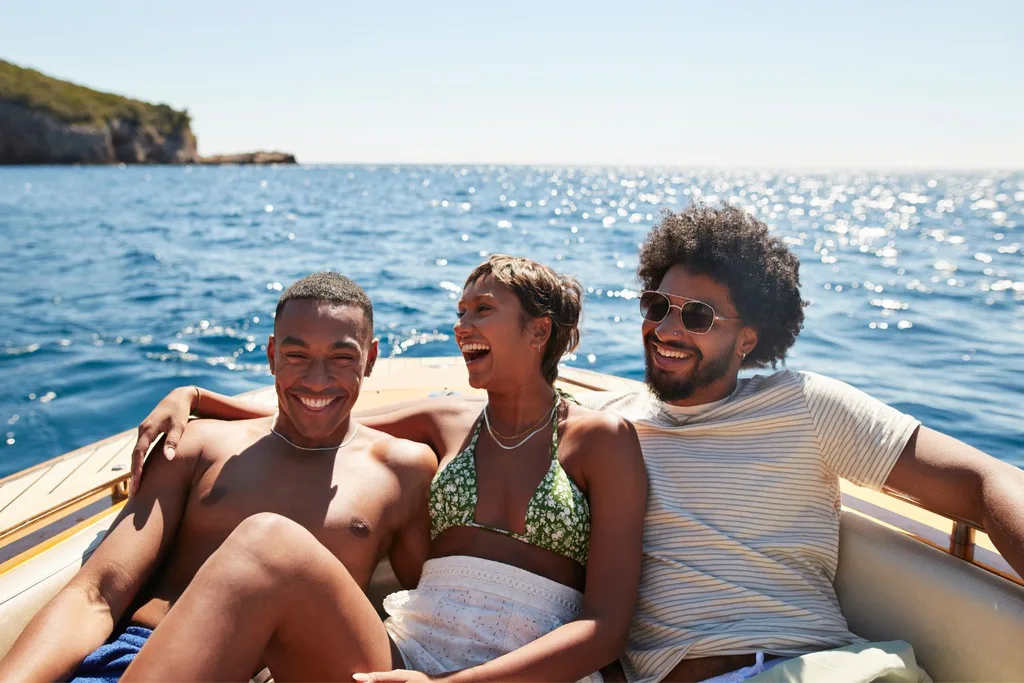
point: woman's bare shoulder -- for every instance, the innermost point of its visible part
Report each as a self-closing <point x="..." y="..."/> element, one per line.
<point x="597" y="422"/>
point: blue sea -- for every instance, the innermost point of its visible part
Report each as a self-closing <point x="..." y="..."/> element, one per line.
<point x="118" y="284"/>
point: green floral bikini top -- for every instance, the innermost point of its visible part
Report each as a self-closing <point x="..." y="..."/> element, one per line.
<point x="557" y="517"/>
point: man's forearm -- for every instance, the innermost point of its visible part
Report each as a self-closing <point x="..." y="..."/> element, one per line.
<point x="57" y="639"/>
<point x="1002" y="495"/>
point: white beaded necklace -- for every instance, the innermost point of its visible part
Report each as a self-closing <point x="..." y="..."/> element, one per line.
<point x="487" y="421"/>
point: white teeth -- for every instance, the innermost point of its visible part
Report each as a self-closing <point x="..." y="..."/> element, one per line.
<point x="316" y="403"/>
<point x="672" y="354"/>
<point x="475" y="347"/>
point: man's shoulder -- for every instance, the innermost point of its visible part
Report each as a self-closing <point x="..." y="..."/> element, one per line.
<point x="816" y="386"/>
<point x="206" y="427"/>
<point x="772" y="381"/>
<point x="209" y="437"/>
<point x="828" y="397"/>
<point x="805" y="379"/>
<point x="627" y="404"/>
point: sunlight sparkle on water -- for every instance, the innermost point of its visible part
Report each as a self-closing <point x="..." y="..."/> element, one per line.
<point x="940" y="249"/>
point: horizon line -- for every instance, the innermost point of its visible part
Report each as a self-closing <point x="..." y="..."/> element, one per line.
<point x="658" y="166"/>
<point x="779" y="168"/>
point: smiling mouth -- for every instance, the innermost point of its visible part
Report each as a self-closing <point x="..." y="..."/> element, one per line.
<point x="316" y="404"/>
<point x="671" y="354"/>
<point x="474" y="352"/>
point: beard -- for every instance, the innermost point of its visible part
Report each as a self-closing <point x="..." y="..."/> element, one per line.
<point x="670" y="388"/>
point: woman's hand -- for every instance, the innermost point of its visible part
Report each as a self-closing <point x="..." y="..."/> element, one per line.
<point x="169" y="417"/>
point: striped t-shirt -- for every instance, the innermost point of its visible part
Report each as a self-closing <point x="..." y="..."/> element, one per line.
<point x="741" y="538"/>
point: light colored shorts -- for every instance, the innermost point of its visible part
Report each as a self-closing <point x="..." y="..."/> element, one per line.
<point x="758" y="667"/>
<point x="467" y="611"/>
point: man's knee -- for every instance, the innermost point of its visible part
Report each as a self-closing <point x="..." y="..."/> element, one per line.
<point x="271" y="542"/>
<point x="269" y="527"/>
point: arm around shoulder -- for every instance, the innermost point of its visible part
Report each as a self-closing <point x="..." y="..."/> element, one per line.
<point x="434" y="421"/>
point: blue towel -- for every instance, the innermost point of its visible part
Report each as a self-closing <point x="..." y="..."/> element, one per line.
<point x="108" y="661"/>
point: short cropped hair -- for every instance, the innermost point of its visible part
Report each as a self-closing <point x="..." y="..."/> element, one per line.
<point x="735" y="249"/>
<point x="330" y="288"/>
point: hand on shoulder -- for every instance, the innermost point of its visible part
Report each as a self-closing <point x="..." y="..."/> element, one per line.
<point x="195" y="434"/>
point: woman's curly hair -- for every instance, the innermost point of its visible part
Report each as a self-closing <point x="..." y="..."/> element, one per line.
<point x="735" y="249"/>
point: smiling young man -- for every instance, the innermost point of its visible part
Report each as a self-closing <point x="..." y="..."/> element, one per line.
<point x="741" y="536"/>
<point x="361" y="493"/>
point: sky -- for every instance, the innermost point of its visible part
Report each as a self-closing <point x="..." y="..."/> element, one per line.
<point x="817" y="84"/>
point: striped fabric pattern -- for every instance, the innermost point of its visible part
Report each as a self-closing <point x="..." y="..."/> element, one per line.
<point x="741" y="538"/>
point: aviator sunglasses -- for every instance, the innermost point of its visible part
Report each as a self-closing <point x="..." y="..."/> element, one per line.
<point x="697" y="317"/>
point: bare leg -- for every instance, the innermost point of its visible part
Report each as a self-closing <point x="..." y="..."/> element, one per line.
<point x="270" y="592"/>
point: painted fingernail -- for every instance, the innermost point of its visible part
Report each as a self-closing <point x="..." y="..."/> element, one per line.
<point x="169" y="452"/>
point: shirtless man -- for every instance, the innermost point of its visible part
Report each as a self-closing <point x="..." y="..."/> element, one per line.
<point x="360" y="492"/>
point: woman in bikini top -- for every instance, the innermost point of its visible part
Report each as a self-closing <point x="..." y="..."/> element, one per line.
<point x="557" y="514"/>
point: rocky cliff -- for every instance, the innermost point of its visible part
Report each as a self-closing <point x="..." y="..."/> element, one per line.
<point x="29" y="136"/>
<point x="45" y="120"/>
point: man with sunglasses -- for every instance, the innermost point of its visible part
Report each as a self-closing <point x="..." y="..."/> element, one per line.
<point x="741" y="537"/>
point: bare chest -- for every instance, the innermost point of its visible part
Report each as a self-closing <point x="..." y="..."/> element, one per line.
<point x="345" y="505"/>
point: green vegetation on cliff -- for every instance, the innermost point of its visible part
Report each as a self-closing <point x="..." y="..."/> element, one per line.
<point x="77" y="104"/>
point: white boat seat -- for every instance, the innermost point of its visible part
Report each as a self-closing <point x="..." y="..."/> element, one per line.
<point x="965" y="623"/>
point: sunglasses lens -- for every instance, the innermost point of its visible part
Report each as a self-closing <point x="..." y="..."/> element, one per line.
<point x="697" y="317"/>
<point x="653" y="306"/>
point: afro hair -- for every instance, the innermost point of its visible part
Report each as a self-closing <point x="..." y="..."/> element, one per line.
<point x="735" y="249"/>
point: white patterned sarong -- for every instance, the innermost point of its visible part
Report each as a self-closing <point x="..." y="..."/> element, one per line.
<point x="467" y="611"/>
